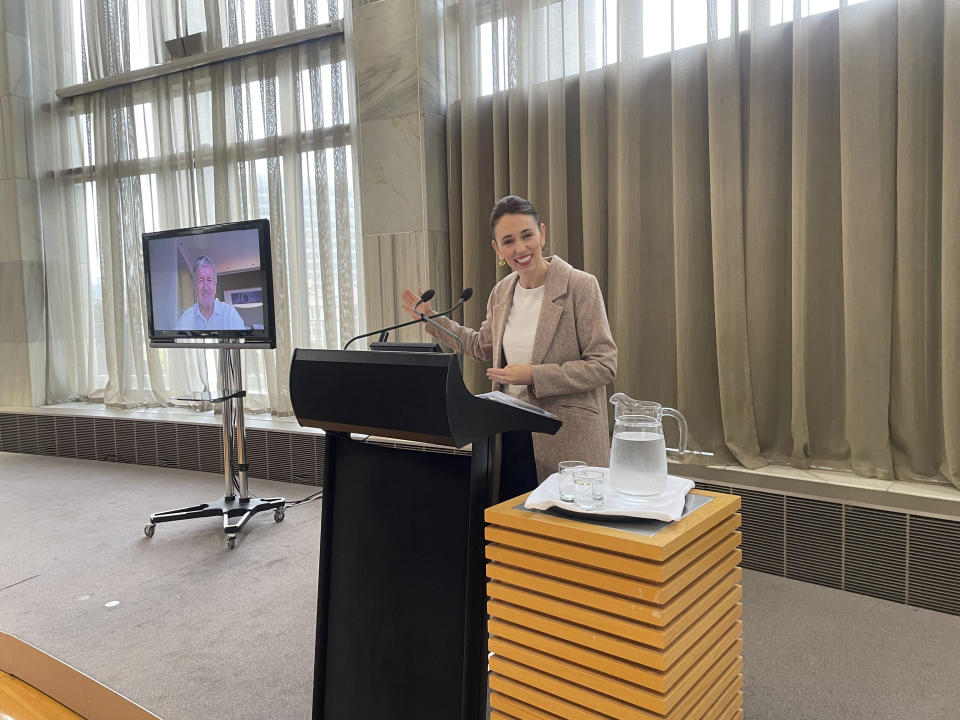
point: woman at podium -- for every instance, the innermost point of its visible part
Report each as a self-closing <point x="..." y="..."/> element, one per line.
<point x="546" y="332"/>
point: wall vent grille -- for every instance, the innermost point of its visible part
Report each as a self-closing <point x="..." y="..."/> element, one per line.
<point x="814" y="541"/>
<point x="713" y="488"/>
<point x="934" y="575"/>
<point x="145" y="434"/>
<point x="9" y="433"/>
<point x="211" y="448"/>
<point x="882" y="553"/>
<point x="28" y="434"/>
<point x="86" y="442"/>
<point x="188" y="447"/>
<point x="279" y="461"/>
<point x="256" y="444"/>
<point x="46" y="435"/>
<point x="125" y="433"/>
<point x="303" y="454"/>
<point x="106" y="440"/>
<point x="762" y="525"/>
<point x="66" y="437"/>
<point x="166" y="434"/>
<point x="875" y="557"/>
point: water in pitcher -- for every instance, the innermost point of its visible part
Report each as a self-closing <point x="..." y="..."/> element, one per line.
<point x="638" y="463"/>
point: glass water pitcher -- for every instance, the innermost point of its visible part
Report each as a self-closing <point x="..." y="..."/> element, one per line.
<point x="638" y="456"/>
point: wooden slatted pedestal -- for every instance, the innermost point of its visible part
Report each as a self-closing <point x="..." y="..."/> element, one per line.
<point x="595" y="619"/>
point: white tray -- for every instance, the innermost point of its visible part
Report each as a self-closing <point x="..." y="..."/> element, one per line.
<point x="666" y="507"/>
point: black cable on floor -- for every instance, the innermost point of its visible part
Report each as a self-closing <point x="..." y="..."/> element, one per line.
<point x="291" y="503"/>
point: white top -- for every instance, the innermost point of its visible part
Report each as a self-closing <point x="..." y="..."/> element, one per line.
<point x="520" y="330"/>
<point x="224" y="317"/>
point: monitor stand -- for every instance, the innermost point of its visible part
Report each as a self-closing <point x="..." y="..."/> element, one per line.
<point x="237" y="502"/>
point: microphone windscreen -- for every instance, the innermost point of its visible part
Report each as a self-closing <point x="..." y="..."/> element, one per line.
<point x="427" y="295"/>
<point x="466" y="294"/>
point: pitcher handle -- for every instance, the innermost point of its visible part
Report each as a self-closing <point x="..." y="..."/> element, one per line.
<point x="682" y="422"/>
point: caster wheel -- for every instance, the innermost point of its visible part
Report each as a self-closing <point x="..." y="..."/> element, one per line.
<point x="278" y="515"/>
<point x="231" y="541"/>
<point x="148" y="530"/>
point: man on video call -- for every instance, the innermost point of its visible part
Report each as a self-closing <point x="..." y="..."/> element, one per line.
<point x="208" y="313"/>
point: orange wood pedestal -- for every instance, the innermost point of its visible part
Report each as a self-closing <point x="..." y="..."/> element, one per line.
<point x="598" y="620"/>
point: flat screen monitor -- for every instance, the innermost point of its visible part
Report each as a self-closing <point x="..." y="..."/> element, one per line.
<point x="211" y="285"/>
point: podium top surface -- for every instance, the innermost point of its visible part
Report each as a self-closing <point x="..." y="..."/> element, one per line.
<point x="648" y="539"/>
<point x="402" y="395"/>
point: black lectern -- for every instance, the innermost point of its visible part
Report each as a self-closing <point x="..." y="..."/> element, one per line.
<point x="400" y="602"/>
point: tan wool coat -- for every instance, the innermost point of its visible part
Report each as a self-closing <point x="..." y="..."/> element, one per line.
<point x="574" y="358"/>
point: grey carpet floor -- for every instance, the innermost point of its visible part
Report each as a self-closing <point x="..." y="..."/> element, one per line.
<point x="200" y="632"/>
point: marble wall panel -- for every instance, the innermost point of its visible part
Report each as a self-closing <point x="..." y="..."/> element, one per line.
<point x="15" y="361"/>
<point x="37" y="367"/>
<point x="434" y="147"/>
<point x="372" y="293"/>
<point x="34" y="300"/>
<point x="15" y="16"/>
<point x="398" y="261"/>
<point x="390" y="183"/>
<point x="385" y="36"/>
<point x="17" y="75"/>
<point x="430" y="47"/>
<point x="438" y="267"/>
<point x="20" y="215"/>
<point x="13" y="316"/>
<point x="9" y="240"/>
<point x="4" y="77"/>
<point x="39" y="16"/>
<point x="13" y="135"/>
<point x="28" y="220"/>
<point x="406" y="260"/>
<point x="43" y="82"/>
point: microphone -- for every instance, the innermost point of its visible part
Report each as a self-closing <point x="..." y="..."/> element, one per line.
<point x="426" y="297"/>
<point x="464" y="296"/>
<point x="452" y="334"/>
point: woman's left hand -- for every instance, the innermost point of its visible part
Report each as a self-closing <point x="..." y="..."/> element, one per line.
<point x="512" y="375"/>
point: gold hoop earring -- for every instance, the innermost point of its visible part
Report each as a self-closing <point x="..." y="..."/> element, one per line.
<point x="501" y="262"/>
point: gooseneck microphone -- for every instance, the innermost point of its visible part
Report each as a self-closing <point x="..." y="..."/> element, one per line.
<point x="426" y="297"/>
<point x="452" y="334"/>
<point x="464" y="296"/>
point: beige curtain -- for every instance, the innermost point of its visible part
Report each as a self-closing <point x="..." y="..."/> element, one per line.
<point x="265" y="136"/>
<point x="774" y="215"/>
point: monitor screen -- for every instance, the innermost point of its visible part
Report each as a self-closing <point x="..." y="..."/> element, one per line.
<point x="213" y="282"/>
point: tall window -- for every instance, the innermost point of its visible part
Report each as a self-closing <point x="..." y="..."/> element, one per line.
<point x="588" y="34"/>
<point x="266" y="135"/>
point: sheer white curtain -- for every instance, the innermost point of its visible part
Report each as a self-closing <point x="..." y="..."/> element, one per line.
<point x="267" y="135"/>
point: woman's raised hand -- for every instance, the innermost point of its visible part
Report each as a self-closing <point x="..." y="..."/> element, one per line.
<point x="409" y="298"/>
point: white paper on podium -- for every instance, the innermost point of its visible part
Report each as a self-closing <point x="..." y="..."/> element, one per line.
<point x="505" y="399"/>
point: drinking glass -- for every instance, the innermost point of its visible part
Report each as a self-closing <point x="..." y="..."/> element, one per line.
<point x="566" y="468"/>
<point x="588" y="489"/>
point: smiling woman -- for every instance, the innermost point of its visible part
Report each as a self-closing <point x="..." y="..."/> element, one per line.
<point x="546" y="332"/>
